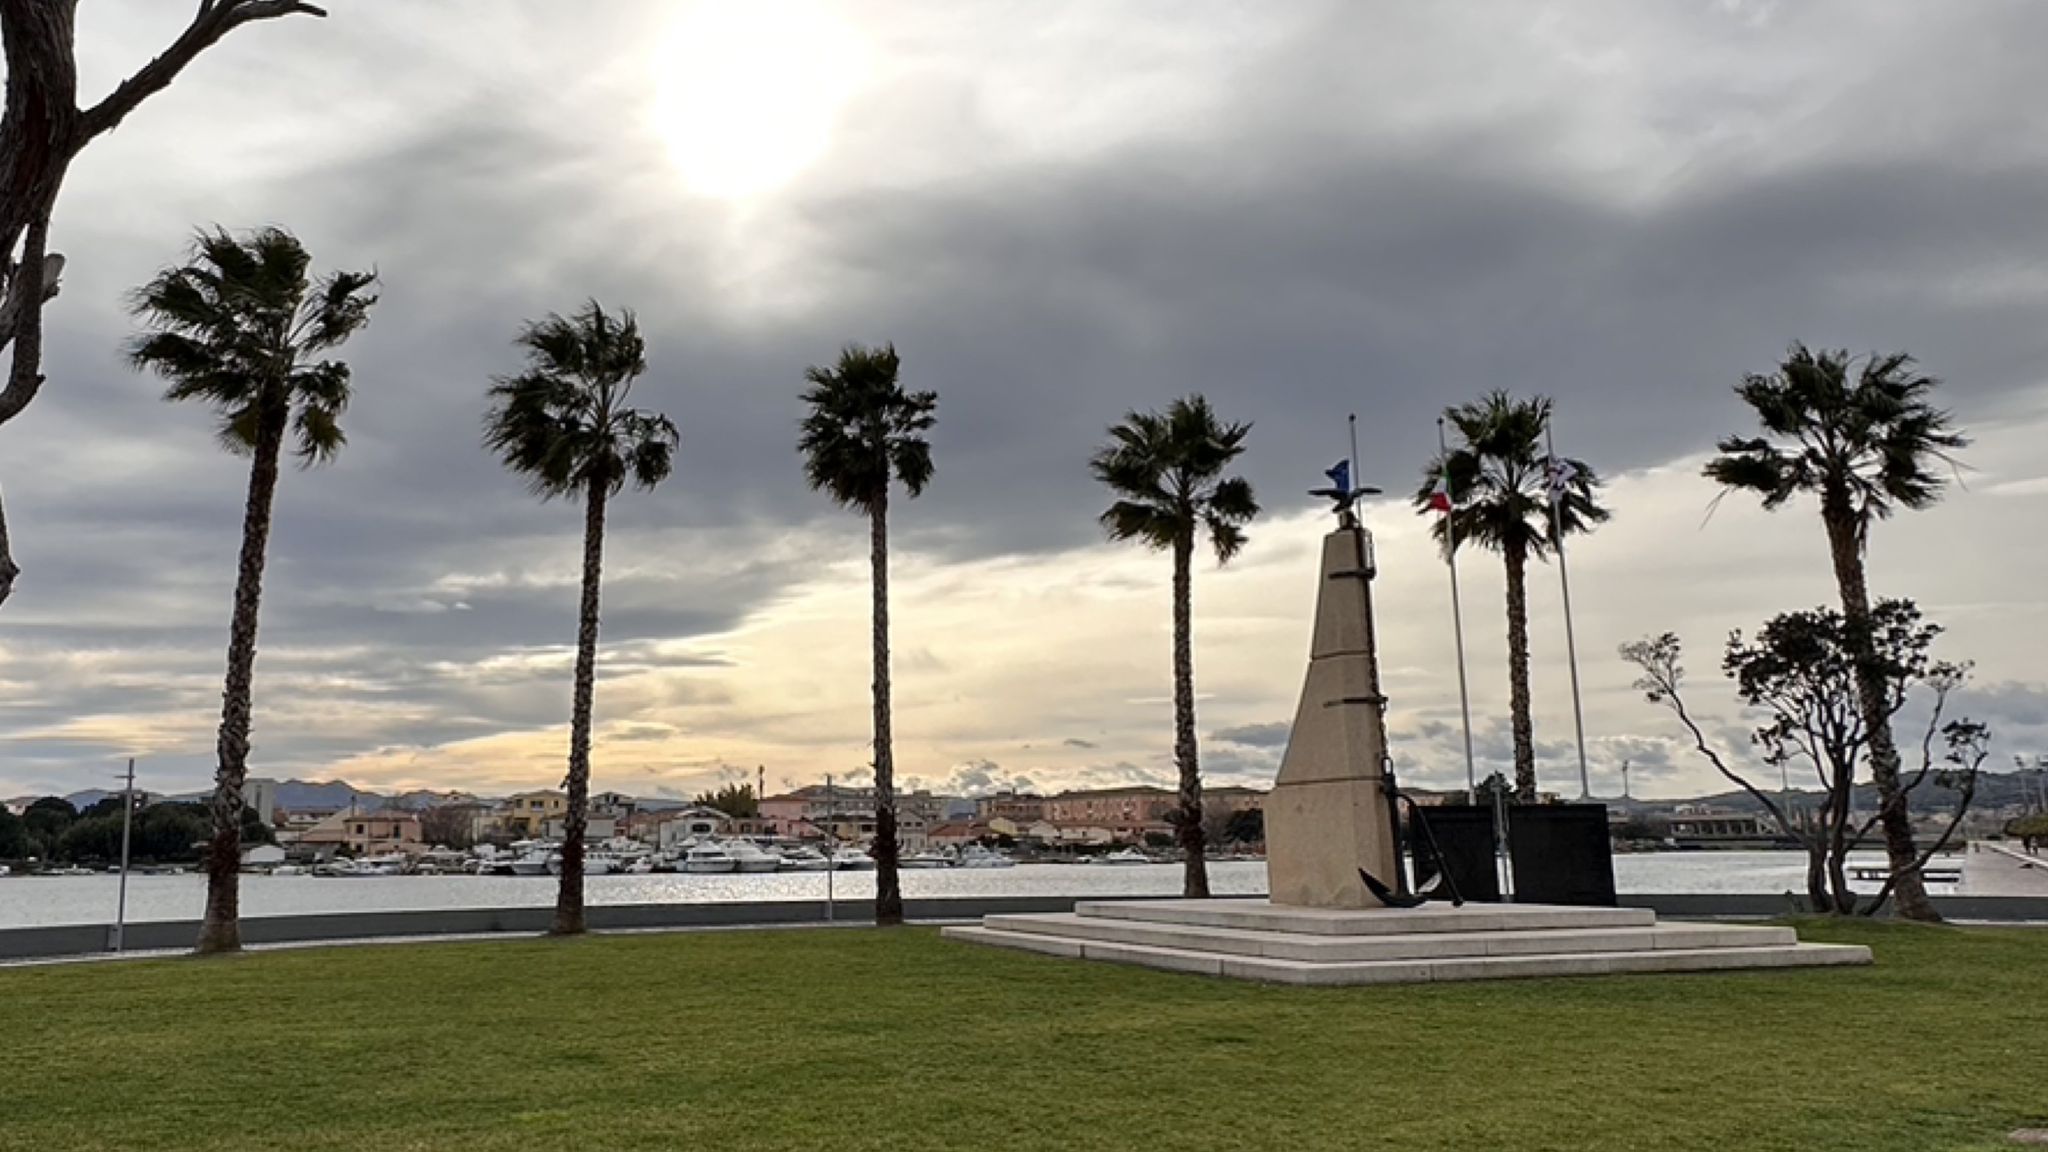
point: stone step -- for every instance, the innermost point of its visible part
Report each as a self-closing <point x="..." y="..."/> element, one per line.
<point x="1260" y="915"/>
<point x="1410" y="946"/>
<point x="1418" y="971"/>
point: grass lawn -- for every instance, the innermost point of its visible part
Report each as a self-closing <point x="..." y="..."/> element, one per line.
<point x="850" y="1040"/>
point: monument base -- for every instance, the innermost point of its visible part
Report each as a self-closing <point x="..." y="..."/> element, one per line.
<point x="1259" y="940"/>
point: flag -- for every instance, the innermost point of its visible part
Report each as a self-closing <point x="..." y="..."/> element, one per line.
<point x="1561" y="473"/>
<point x="1440" y="496"/>
<point x="1340" y="476"/>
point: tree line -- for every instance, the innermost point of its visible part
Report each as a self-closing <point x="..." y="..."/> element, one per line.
<point x="51" y="829"/>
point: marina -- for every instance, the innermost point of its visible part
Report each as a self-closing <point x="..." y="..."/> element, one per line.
<point x="31" y="901"/>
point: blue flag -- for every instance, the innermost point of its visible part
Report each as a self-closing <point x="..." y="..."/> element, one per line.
<point x="1340" y="476"/>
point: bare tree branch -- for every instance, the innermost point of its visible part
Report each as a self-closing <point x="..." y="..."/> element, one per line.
<point x="215" y="19"/>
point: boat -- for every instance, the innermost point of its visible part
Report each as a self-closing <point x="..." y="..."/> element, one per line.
<point x="5" y="871"/>
<point x="1127" y="856"/>
<point x="928" y="859"/>
<point x="751" y="857"/>
<point x="534" y="863"/>
<point x="852" y="860"/>
<point x="389" y="864"/>
<point x="594" y="864"/>
<point x="806" y="860"/>
<point x="640" y="867"/>
<point x="708" y="859"/>
<point x="288" y="870"/>
<point x="982" y="856"/>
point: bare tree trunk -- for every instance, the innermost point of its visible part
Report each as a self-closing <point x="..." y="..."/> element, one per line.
<point x="8" y="569"/>
<point x="1839" y="795"/>
<point x="1188" y="826"/>
<point x="1518" y="675"/>
<point x="221" y="930"/>
<point x="569" y="896"/>
<point x="1845" y="545"/>
<point x="42" y="130"/>
<point x="888" y="879"/>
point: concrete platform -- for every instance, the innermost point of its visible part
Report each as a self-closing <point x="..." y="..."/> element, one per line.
<point x="1256" y="940"/>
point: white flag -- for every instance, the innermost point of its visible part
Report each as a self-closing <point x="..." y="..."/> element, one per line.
<point x="1562" y="473"/>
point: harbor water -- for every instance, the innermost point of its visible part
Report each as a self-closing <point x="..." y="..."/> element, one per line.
<point x="27" y="901"/>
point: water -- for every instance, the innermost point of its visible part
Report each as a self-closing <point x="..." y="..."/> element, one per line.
<point x="28" y="901"/>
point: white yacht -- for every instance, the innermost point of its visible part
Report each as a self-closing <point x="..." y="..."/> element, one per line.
<point x="1127" y="856"/>
<point x="852" y="860"/>
<point x="709" y="858"/>
<point x="750" y="857"/>
<point x="806" y="860"/>
<point x="929" y="858"/>
<point x="594" y="864"/>
<point x="981" y="856"/>
<point x="533" y="862"/>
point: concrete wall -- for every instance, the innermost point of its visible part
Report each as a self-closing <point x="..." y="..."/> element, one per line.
<point x="84" y="939"/>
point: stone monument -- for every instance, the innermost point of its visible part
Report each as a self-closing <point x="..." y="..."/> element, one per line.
<point x="1329" y="815"/>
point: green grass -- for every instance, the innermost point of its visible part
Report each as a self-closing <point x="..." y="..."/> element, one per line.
<point x="851" y="1040"/>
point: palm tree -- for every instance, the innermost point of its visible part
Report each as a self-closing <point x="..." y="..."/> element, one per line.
<point x="1166" y="470"/>
<point x="564" y="425"/>
<point x="239" y="326"/>
<point x="864" y="432"/>
<point x="1498" y="482"/>
<point x="1863" y="449"/>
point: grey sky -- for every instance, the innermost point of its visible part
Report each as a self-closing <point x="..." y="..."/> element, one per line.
<point x="1057" y="212"/>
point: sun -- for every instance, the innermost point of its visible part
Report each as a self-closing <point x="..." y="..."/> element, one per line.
<point x="747" y="91"/>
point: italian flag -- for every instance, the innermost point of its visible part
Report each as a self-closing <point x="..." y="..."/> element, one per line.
<point x="1440" y="496"/>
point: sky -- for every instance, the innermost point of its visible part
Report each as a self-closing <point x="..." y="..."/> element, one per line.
<point x="1058" y="212"/>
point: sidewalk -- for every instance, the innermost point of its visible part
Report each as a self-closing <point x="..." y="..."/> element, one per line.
<point x="1992" y="869"/>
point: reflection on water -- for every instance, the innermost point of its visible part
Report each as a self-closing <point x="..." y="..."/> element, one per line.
<point x="28" y="901"/>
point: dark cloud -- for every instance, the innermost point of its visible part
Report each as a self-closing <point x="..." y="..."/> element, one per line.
<point x="1310" y="246"/>
<point x="1273" y="735"/>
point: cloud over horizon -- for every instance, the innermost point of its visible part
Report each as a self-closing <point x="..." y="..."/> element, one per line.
<point x="1057" y="215"/>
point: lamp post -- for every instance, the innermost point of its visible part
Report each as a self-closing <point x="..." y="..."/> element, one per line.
<point x="127" y="822"/>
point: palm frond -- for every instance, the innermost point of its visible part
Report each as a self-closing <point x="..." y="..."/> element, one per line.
<point x="563" y="423"/>
<point x="232" y="328"/>
<point x="862" y="431"/>
<point x="1874" y="442"/>
<point x="1167" y="471"/>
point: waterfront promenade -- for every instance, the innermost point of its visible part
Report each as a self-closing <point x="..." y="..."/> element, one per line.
<point x="1992" y="868"/>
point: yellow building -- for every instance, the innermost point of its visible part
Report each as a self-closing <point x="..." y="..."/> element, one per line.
<point x="526" y="814"/>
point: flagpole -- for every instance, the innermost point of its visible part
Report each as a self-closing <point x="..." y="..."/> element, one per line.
<point x="1571" y="646"/>
<point x="1457" y="612"/>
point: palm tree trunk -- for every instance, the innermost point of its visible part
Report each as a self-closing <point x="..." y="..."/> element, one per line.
<point x="1518" y="674"/>
<point x="1195" y="882"/>
<point x="569" y="896"/>
<point x="1845" y="545"/>
<point x="888" y="883"/>
<point x="220" y="930"/>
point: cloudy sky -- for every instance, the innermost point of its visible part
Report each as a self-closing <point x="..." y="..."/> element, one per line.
<point x="1058" y="212"/>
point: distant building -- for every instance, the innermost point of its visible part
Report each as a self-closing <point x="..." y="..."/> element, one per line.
<point x="1707" y="828"/>
<point x="262" y="856"/>
<point x="957" y="833"/>
<point x="1021" y="808"/>
<point x="616" y="804"/>
<point x="526" y="814"/>
<point x="821" y="805"/>
<point x="693" y="823"/>
<point x="1111" y="807"/>
<point x="372" y="834"/>
<point x="260" y="796"/>
<point x="595" y="828"/>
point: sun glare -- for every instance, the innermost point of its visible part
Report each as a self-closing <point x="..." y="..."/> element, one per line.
<point x="747" y="91"/>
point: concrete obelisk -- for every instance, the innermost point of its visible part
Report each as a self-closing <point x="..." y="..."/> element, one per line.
<point x="1329" y="814"/>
